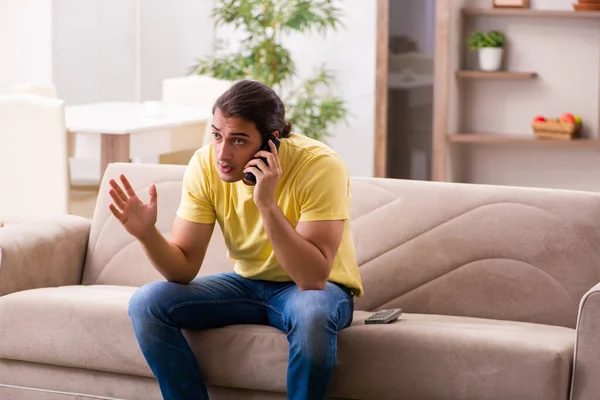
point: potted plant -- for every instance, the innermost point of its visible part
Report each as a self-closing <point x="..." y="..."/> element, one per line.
<point x="311" y="106"/>
<point x="490" y="48"/>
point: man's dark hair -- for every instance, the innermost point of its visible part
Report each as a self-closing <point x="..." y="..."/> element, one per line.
<point x="255" y="102"/>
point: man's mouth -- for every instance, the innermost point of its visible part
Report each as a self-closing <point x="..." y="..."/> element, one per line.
<point x="225" y="168"/>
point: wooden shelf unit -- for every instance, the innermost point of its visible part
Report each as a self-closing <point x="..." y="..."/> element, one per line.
<point x="474" y="74"/>
<point x="444" y="140"/>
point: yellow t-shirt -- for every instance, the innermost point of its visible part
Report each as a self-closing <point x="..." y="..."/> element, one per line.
<point x="314" y="185"/>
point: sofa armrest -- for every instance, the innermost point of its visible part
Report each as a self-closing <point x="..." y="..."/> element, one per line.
<point x="585" y="384"/>
<point x="43" y="254"/>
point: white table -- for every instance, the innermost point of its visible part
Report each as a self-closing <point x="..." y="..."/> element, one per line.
<point x="126" y="132"/>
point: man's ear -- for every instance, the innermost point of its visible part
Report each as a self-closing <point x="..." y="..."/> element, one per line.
<point x="276" y="134"/>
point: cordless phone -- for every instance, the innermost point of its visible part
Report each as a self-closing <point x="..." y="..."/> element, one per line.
<point x="265" y="146"/>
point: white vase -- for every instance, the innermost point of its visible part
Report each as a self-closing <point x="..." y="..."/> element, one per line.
<point x="490" y="58"/>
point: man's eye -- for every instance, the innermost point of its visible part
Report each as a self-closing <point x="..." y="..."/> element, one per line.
<point x="216" y="135"/>
<point x="239" y="142"/>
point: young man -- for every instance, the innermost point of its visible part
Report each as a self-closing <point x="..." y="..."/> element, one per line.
<point x="288" y="235"/>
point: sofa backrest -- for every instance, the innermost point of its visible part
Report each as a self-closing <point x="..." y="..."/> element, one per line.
<point x="512" y="253"/>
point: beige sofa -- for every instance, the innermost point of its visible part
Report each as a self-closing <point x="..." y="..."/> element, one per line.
<point x="497" y="284"/>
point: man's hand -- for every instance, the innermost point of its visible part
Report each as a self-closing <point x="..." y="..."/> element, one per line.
<point x="267" y="176"/>
<point x="136" y="217"/>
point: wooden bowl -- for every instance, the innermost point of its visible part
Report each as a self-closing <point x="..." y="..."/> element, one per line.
<point x="589" y="1"/>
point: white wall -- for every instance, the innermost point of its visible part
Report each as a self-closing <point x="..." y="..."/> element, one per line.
<point x="566" y="55"/>
<point x="25" y="42"/>
<point x="94" y="50"/>
<point x="99" y="54"/>
<point x="173" y="35"/>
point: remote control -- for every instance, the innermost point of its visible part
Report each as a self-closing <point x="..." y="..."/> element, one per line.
<point x="384" y="316"/>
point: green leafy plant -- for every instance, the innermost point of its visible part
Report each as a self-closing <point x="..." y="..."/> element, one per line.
<point x="479" y="40"/>
<point x="310" y="106"/>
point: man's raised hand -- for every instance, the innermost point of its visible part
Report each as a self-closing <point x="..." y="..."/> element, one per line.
<point x="137" y="218"/>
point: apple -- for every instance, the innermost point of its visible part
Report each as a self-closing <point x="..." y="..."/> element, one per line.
<point x="577" y="119"/>
<point x="539" y="118"/>
<point x="567" y="118"/>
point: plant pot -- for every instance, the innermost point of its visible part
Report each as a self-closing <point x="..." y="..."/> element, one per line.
<point x="490" y="58"/>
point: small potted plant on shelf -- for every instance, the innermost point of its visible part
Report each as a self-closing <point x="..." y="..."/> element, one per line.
<point x="490" y="48"/>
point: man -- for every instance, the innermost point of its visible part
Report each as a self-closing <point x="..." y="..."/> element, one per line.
<point x="288" y="235"/>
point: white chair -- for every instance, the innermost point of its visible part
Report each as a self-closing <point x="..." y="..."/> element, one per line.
<point x="41" y="89"/>
<point x="193" y="90"/>
<point x="33" y="158"/>
<point x="49" y="90"/>
<point x="197" y="91"/>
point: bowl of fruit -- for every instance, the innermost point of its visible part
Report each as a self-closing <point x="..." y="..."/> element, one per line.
<point x="566" y="127"/>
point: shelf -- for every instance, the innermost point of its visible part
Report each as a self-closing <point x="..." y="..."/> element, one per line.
<point x="527" y="12"/>
<point x="490" y="138"/>
<point x="397" y="80"/>
<point x="474" y="74"/>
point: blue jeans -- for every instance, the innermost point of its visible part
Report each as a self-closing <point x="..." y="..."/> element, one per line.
<point x="311" y="319"/>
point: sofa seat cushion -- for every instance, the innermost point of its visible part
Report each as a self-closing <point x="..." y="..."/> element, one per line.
<point x="416" y="357"/>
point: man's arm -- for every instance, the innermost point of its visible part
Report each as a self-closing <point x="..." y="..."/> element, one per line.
<point x="306" y="253"/>
<point x="179" y="259"/>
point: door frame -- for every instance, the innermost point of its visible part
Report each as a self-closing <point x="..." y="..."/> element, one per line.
<point x="381" y="88"/>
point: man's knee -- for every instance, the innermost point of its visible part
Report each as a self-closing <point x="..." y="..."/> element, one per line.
<point x="150" y="299"/>
<point x="314" y="317"/>
<point x="312" y="335"/>
<point x="310" y="321"/>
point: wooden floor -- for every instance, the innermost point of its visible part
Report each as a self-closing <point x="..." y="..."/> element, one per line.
<point x="83" y="201"/>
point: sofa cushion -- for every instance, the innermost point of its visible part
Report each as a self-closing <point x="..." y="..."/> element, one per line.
<point x="417" y="357"/>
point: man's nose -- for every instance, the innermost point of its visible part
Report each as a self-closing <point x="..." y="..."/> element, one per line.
<point x="224" y="152"/>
